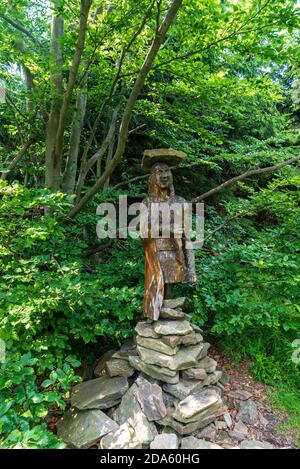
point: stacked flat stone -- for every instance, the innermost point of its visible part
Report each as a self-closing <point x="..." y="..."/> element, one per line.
<point x="172" y="351"/>
<point x="164" y="379"/>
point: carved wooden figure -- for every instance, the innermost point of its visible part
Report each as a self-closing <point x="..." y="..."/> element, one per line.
<point x="169" y="257"/>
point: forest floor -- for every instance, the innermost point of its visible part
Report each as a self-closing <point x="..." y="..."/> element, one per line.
<point x="270" y="424"/>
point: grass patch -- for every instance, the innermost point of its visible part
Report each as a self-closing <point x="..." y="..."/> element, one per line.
<point x="288" y="400"/>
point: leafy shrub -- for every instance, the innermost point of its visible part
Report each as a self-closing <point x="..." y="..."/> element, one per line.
<point x="52" y="304"/>
<point x="248" y="291"/>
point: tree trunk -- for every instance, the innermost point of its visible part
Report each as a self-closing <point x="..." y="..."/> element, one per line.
<point x="137" y="87"/>
<point x="53" y="168"/>
<point x="56" y="126"/>
<point x="72" y="160"/>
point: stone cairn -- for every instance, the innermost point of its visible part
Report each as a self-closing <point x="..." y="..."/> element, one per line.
<point x="155" y="392"/>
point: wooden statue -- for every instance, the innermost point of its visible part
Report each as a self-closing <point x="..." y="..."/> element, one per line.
<point x="167" y="260"/>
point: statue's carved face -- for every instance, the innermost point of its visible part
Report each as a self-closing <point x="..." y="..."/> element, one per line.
<point x="163" y="176"/>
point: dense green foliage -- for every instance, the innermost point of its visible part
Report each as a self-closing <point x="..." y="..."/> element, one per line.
<point x="225" y="89"/>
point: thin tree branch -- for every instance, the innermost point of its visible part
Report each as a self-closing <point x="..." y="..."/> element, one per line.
<point x="137" y="87"/>
<point x="241" y="177"/>
<point x="16" y="159"/>
<point x="19" y="27"/>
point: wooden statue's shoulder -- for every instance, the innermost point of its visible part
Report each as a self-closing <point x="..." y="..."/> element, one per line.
<point x="178" y="199"/>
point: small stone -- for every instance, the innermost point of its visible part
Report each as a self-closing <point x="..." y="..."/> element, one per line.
<point x="174" y="303"/>
<point x="184" y="388"/>
<point x="248" y="412"/>
<point x="212" y="378"/>
<point x="209" y="364"/>
<point x="128" y="349"/>
<point x="254" y="444"/>
<point x="205" y="349"/>
<point x="186" y="429"/>
<point x="116" y="367"/>
<point x="169" y="400"/>
<point x="194" y="373"/>
<point x="156" y="372"/>
<point x="239" y="432"/>
<point x="208" y="433"/>
<point x="143" y="379"/>
<point x="150" y="398"/>
<point x="220" y="425"/>
<point x="197" y="328"/>
<point x="100" y="393"/>
<point x="227" y="419"/>
<point x="198" y="405"/>
<point x="189" y="339"/>
<point x="194" y="443"/>
<point x="123" y="438"/>
<point x="185" y="357"/>
<point x="225" y="379"/>
<point x="239" y="395"/>
<point x="165" y="327"/>
<point x="83" y="428"/>
<point x="165" y="441"/>
<point x="145" y="329"/>
<point x="169" y="313"/>
<point x="157" y="345"/>
<point x="263" y="421"/>
<point x="100" y="369"/>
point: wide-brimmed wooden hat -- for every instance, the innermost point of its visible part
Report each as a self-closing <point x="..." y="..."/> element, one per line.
<point x="162" y="155"/>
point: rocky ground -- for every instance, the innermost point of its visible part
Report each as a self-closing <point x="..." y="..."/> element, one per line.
<point x="169" y="390"/>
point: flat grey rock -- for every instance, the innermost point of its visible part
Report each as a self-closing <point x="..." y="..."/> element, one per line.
<point x="169" y="327"/>
<point x="128" y="349"/>
<point x="165" y="441"/>
<point x="145" y="329"/>
<point x="194" y="443"/>
<point x="150" y="398"/>
<point x="198" y="405"/>
<point x="239" y="395"/>
<point x="156" y="372"/>
<point x="225" y="379"/>
<point x="184" y="388"/>
<point x="186" y="429"/>
<point x="208" y="433"/>
<point x="194" y="373"/>
<point x="144" y="379"/>
<point x="130" y="411"/>
<point x="99" y="393"/>
<point x="118" y="367"/>
<point x="186" y="357"/>
<point x="169" y="313"/>
<point x="83" y="428"/>
<point x="206" y="347"/>
<point x="239" y="432"/>
<point x="208" y="364"/>
<point x="213" y="378"/>
<point x="100" y="369"/>
<point x="188" y="339"/>
<point x="124" y="437"/>
<point x="174" y="303"/>
<point x="248" y="412"/>
<point x="254" y="444"/>
<point x="157" y="345"/>
<point x="228" y="420"/>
